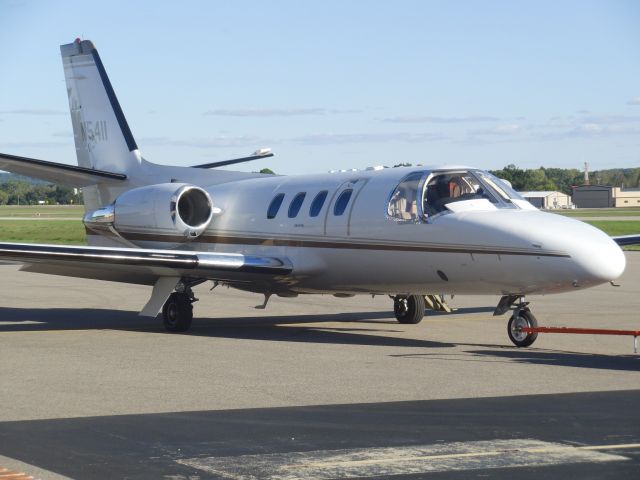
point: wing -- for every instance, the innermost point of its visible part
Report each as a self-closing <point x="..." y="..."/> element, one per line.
<point x="625" y="240"/>
<point x="141" y="262"/>
<point x="69" y="175"/>
<point x="163" y="269"/>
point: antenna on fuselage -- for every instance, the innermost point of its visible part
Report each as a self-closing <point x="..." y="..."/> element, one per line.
<point x="258" y="154"/>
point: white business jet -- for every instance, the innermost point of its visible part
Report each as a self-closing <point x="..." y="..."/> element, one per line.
<point x="402" y="232"/>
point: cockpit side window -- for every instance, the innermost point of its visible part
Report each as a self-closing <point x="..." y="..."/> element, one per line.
<point x="404" y="201"/>
<point x="451" y="187"/>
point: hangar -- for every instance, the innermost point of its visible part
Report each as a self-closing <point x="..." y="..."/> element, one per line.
<point x="548" y="199"/>
<point x="605" y="196"/>
<point x="593" y="196"/>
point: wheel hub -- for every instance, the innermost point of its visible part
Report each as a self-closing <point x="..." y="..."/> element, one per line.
<point x="172" y="313"/>
<point x="401" y="306"/>
<point x="516" y="328"/>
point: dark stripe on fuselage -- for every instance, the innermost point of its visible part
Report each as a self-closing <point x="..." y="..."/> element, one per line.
<point x="122" y="121"/>
<point x="347" y="245"/>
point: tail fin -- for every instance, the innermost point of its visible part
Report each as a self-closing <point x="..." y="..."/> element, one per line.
<point x="102" y="136"/>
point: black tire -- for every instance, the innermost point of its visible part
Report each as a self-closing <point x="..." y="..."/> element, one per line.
<point x="519" y="319"/>
<point x="177" y="313"/>
<point x="410" y="309"/>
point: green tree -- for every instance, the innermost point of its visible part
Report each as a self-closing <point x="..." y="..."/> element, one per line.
<point x="267" y="171"/>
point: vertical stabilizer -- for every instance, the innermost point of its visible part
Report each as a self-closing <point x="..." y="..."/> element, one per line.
<point x="102" y="136"/>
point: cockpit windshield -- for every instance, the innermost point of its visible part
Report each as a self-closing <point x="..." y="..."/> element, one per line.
<point x="421" y="195"/>
<point x="503" y="188"/>
<point x="449" y="187"/>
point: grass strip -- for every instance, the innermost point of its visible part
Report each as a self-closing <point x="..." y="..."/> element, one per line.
<point x="67" y="232"/>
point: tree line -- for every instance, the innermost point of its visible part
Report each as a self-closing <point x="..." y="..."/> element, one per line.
<point x="19" y="190"/>
<point x="15" y="191"/>
<point x="562" y="179"/>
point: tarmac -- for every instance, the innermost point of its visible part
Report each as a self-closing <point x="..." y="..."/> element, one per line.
<point x="312" y="387"/>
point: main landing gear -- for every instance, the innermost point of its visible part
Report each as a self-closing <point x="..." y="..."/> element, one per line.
<point x="177" y="312"/>
<point x="409" y="308"/>
<point x="521" y="318"/>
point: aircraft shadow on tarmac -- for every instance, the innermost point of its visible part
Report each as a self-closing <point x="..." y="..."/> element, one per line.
<point x="296" y="328"/>
<point x="272" y="328"/>
<point x="566" y="359"/>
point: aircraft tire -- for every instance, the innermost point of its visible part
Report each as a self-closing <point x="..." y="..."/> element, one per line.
<point x="410" y="309"/>
<point x="519" y="319"/>
<point x="177" y="313"/>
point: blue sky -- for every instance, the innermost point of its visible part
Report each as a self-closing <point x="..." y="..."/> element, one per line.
<point x="338" y="84"/>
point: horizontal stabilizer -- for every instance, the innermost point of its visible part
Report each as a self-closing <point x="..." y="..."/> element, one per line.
<point x="625" y="240"/>
<point x="60" y="173"/>
<point x="264" y="153"/>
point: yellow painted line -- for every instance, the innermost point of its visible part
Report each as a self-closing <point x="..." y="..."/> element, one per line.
<point x="6" y="474"/>
<point x="610" y="447"/>
<point x="387" y="461"/>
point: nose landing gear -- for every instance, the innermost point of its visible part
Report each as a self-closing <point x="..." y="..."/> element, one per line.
<point x="520" y="319"/>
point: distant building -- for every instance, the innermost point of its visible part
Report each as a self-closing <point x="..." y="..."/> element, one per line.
<point x="548" y="199"/>
<point x="593" y="196"/>
<point x="626" y="197"/>
<point x="605" y="196"/>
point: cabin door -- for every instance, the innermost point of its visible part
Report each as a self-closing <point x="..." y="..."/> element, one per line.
<point x="338" y="215"/>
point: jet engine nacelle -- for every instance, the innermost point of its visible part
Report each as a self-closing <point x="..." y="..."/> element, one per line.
<point x="175" y="209"/>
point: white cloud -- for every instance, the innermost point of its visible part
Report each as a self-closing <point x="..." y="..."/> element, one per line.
<point x="500" y="130"/>
<point x="634" y="101"/>
<point x="221" y="141"/>
<point x="33" y="144"/>
<point x="276" y="112"/>
<point x="432" y="119"/>
<point x="345" y="138"/>
<point x="33" y="111"/>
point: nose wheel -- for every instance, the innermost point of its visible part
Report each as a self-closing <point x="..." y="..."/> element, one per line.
<point x="522" y="318"/>
<point x="409" y="309"/>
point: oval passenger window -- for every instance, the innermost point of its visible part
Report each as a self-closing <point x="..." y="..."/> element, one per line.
<point x="274" y="206"/>
<point x="318" y="203"/>
<point x="342" y="202"/>
<point x="296" y="203"/>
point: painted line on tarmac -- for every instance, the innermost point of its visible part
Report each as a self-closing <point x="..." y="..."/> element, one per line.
<point x="6" y="474"/>
<point x="388" y="461"/>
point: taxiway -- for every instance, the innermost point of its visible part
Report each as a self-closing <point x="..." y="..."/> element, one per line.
<point x="311" y="385"/>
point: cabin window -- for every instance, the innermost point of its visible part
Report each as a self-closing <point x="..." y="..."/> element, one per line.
<point x="274" y="206"/>
<point x="318" y="203"/>
<point x="342" y="202"/>
<point x="403" y="203"/>
<point x="296" y="203"/>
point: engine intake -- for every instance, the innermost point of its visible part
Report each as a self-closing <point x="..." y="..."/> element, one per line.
<point x="166" y="209"/>
<point x="194" y="207"/>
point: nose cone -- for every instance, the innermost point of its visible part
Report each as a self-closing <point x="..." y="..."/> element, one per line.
<point x="596" y="257"/>
<point x="599" y="256"/>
